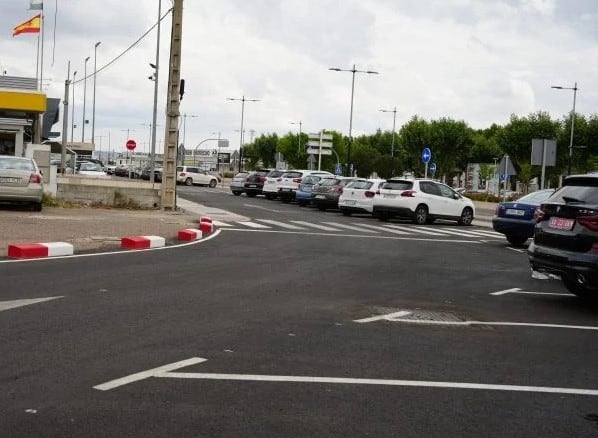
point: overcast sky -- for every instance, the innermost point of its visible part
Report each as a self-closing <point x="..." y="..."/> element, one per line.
<point x="474" y="60"/>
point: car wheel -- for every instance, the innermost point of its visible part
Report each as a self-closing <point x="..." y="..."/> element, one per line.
<point x="269" y="197"/>
<point x="579" y="289"/>
<point x="321" y="207"/>
<point x="213" y="183"/>
<point x="346" y="212"/>
<point x="466" y="216"/>
<point x="382" y="216"/>
<point x="250" y="194"/>
<point x="37" y="206"/>
<point x="237" y="193"/>
<point x="189" y="182"/>
<point x="421" y="215"/>
<point x="516" y="240"/>
<point x="301" y="203"/>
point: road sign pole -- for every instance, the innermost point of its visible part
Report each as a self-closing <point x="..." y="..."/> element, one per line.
<point x="426" y="171"/>
<point x="543" y="162"/>
<point x="320" y="152"/>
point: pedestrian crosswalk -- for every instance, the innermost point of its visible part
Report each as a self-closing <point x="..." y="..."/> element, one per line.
<point x="364" y="228"/>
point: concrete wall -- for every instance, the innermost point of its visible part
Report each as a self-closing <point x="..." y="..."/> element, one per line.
<point x="108" y="191"/>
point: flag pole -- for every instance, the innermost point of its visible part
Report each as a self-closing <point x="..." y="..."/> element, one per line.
<point x="41" y="67"/>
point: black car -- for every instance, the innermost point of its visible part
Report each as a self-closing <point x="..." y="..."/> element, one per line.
<point x="566" y="235"/>
<point x="325" y="194"/>
<point x="145" y="174"/>
<point x="255" y="182"/>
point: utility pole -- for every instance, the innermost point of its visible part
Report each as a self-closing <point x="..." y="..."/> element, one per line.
<point x="65" y="120"/>
<point x="172" y="109"/>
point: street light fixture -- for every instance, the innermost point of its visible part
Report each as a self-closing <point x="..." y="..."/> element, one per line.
<point x="300" y="123"/>
<point x="73" y="110"/>
<point x="242" y="100"/>
<point x="185" y="115"/>
<point x="394" y="119"/>
<point x="84" y="98"/>
<point x="353" y="71"/>
<point x="574" y="88"/>
<point x="93" y="111"/>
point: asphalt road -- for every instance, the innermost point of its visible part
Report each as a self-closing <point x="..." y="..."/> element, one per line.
<point x="294" y="327"/>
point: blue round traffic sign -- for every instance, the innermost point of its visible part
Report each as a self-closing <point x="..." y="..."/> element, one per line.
<point x="426" y="155"/>
<point x="432" y="168"/>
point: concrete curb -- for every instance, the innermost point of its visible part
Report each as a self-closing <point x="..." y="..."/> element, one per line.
<point x="142" y="242"/>
<point x="39" y="250"/>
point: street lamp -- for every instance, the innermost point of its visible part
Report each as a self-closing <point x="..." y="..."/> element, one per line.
<point x="84" y="98"/>
<point x="156" y="67"/>
<point x="93" y="111"/>
<point x="574" y="88"/>
<point x="73" y="110"/>
<point x="353" y="71"/>
<point x="242" y="100"/>
<point x="185" y="115"/>
<point x="394" y="119"/>
<point x="300" y="123"/>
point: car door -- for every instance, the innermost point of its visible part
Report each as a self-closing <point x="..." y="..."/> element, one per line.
<point x="431" y="196"/>
<point x="452" y="202"/>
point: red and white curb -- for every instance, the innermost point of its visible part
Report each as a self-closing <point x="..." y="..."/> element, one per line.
<point x="206" y="225"/>
<point x="39" y="250"/>
<point x="142" y="242"/>
<point x="190" y="234"/>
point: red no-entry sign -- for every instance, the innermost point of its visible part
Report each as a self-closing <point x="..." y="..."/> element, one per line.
<point x="131" y="144"/>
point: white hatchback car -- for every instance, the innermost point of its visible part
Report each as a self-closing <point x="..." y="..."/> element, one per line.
<point x="270" y="187"/>
<point x="190" y="175"/>
<point x="358" y="196"/>
<point x="423" y="201"/>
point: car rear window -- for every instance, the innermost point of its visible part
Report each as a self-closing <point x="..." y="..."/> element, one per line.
<point x="16" y="164"/>
<point x="275" y="173"/>
<point x="330" y="182"/>
<point x="579" y="189"/>
<point x="398" y="185"/>
<point x="292" y="175"/>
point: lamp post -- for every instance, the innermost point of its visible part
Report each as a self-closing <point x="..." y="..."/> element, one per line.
<point x="73" y="110"/>
<point x="93" y="110"/>
<point x="392" y="145"/>
<point x="574" y="88"/>
<point x="353" y="71"/>
<point x="242" y="100"/>
<point x="185" y="115"/>
<point x="300" y="123"/>
<point x="84" y="98"/>
<point x="156" y="67"/>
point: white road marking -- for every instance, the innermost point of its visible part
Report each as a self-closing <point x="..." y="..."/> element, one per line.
<point x="263" y="208"/>
<point x="419" y="230"/>
<point x="385" y="229"/>
<point x="6" y="305"/>
<point x="281" y="224"/>
<point x="517" y="290"/>
<point x="495" y="323"/>
<point x="516" y="250"/>
<point x="221" y="224"/>
<point x="254" y="225"/>
<point x="350" y="227"/>
<point x="317" y="226"/>
<point x="463" y="232"/>
<point x="386" y="317"/>
<point x="166" y="371"/>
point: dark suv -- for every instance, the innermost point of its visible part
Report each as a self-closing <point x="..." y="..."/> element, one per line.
<point x="566" y="235"/>
<point x="255" y="182"/>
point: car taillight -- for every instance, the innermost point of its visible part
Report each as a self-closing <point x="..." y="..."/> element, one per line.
<point x="590" y="222"/>
<point x="278" y="179"/>
<point x="408" y="193"/>
<point x="262" y="178"/>
<point x="369" y="194"/>
<point x="182" y="174"/>
<point x="539" y="215"/>
<point x="339" y="190"/>
<point x="35" y="178"/>
<point x="298" y="180"/>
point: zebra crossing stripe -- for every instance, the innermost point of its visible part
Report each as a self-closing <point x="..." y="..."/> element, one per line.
<point x="385" y="229"/>
<point x="221" y="224"/>
<point x="414" y="230"/>
<point x="254" y="225"/>
<point x="317" y="226"/>
<point x="468" y="233"/>
<point x="281" y="224"/>
<point x="350" y="227"/>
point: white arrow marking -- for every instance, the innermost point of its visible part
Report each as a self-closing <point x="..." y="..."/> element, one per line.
<point x="6" y="305"/>
<point x="387" y="317"/>
<point x="517" y="290"/>
<point x="164" y="372"/>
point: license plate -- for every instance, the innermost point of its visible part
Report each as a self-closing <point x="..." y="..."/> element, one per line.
<point x="320" y="197"/>
<point x="387" y="196"/>
<point x="515" y="212"/>
<point x="285" y="190"/>
<point x="560" y="223"/>
<point x="350" y="202"/>
<point x="251" y="185"/>
<point x="8" y="179"/>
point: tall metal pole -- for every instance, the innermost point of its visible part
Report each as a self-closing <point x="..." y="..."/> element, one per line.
<point x="242" y="100"/>
<point x="572" y="128"/>
<point x="93" y="111"/>
<point x="65" y="120"/>
<point x="73" y="110"/>
<point x="84" y="99"/>
<point x="298" y="135"/>
<point x="155" y="112"/>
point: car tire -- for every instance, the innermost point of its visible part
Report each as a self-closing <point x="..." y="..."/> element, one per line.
<point x="516" y="240"/>
<point x="466" y="217"/>
<point x="382" y="216"/>
<point x="237" y="193"/>
<point x="189" y="182"/>
<point x="321" y="207"/>
<point x="37" y="206"/>
<point x="269" y="197"/>
<point x="213" y="183"/>
<point x="582" y="291"/>
<point x="346" y="212"/>
<point x="301" y="203"/>
<point x="420" y="215"/>
<point x="250" y="194"/>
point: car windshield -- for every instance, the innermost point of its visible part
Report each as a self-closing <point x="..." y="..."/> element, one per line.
<point x="536" y="197"/>
<point x="16" y="164"/>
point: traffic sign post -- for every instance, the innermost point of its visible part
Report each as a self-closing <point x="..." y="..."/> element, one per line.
<point x="432" y="168"/>
<point x="131" y="144"/>
<point x="319" y="144"/>
<point x="426" y="156"/>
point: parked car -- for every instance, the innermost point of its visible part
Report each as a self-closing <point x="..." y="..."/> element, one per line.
<point x="237" y="185"/>
<point x="122" y="170"/>
<point x="91" y="169"/>
<point x="255" y="182"/>
<point x="303" y="193"/>
<point x="289" y="182"/>
<point x="566" y="235"/>
<point x="146" y="173"/>
<point x="271" y="183"/>
<point x="515" y="219"/>
<point x="190" y="175"/>
<point x="21" y="181"/>
<point x="109" y="169"/>
<point x="326" y="193"/>
<point x="422" y="201"/>
<point x="358" y="196"/>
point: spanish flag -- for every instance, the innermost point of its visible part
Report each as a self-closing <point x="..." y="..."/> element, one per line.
<point x="31" y="26"/>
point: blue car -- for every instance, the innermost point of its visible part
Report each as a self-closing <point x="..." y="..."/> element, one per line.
<point x="515" y="219"/>
<point x="303" y="193"/>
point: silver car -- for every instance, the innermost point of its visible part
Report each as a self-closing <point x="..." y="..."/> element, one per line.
<point x="21" y="181"/>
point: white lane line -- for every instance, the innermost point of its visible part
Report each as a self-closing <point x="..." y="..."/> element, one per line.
<point x="281" y="224"/>
<point x="317" y="226"/>
<point x="13" y="304"/>
<point x="414" y="229"/>
<point x="472" y="233"/>
<point x="221" y="224"/>
<point x="516" y="250"/>
<point x="487" y="233"/>
<point x="166" y="371"/>
<point x="517" y="290"/>
<point x="149" y="373"/>
<point x="350" y="227"/>
<point x="387" y="316"/>
<point x="386" y="229"/>
<point x="494" y="323"/>
<point x="255" y="225"/>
